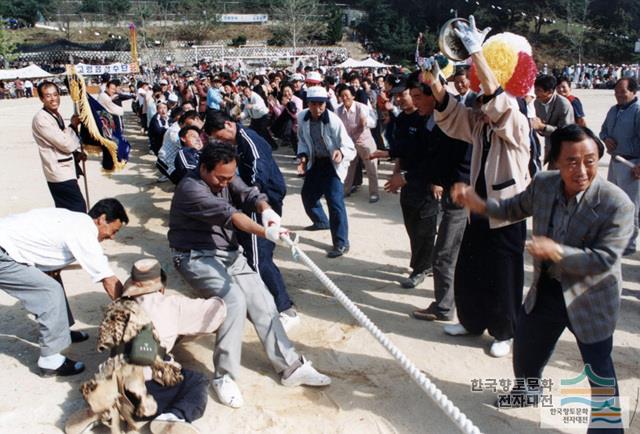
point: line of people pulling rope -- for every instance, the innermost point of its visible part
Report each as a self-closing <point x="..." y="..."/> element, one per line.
<point x="461" y="152"/>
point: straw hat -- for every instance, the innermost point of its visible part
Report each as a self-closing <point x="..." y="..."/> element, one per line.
<point x="147" y="276"/>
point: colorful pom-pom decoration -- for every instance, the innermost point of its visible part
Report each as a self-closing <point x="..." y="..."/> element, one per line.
<point x="510" y="58"/>
<point x="523" y="77"/>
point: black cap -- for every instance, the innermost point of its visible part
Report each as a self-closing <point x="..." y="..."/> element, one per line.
<point x="398" y="83"/>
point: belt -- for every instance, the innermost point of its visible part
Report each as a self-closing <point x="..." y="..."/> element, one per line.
<point x="182" y="250"/>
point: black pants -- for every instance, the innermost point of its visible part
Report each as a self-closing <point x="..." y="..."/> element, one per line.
<point x="537" y="333"/>
<point x="187" y="400"/>
<point x="420" y="221"/>
<point x="261" y="126"/>
<point x="67" y="195"/>
<point x="489" y="278"/>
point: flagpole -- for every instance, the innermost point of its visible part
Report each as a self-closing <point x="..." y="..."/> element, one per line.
<point x="71" y="75"/>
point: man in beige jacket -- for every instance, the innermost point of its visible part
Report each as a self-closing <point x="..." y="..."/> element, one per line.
<point x="57" y="145"/>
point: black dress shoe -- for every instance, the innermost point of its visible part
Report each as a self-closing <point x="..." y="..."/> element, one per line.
<point x="337" y="251"/>
<point x="69" y="367"/>
<point x="413" y="280"/>
<point x="430" y="314"/>
<point x="315" y="227"/>
<point x="78" y="336"/>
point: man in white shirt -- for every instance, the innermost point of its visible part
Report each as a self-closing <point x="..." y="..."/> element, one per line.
<point x="105" y="98"/>
<point x="48" y="239"/>
<point x="256" y="109"/>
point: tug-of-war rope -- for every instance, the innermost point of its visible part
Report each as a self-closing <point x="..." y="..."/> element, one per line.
<point x="432" y="391"/>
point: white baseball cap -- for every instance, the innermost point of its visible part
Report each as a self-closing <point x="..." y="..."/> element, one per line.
<point x="317" y="94"/>
<point x="314" y="77"/>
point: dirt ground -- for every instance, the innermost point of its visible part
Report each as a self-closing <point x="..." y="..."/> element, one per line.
<point x="370" y="392"/>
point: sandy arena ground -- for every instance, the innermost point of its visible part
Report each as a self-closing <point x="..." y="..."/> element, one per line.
<point x="370" y="392"/>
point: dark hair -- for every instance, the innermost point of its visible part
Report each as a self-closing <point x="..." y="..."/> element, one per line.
<point x="46" y="84"/>
<point x="342" y="87"/>
<point x="142" y="84"/>
<point x="191" y="114"/>
<point x="215" y="121"/>
<point x="115" y="82"/>
<point x="243" y="83"/>
<point x="632" y="84"/>
<point x="111" y="208"/>
<point x="563" y="79"/>
<point x="460" y="72"/>
<point x="413" y="82"/>
<point x="217" y="152"/>
<point x="227" y="83"/>
<point x="176" y="113"/>
<point x="545" y="82"/>
<point x="571" y="133"/>
<point x="184" y="130"/>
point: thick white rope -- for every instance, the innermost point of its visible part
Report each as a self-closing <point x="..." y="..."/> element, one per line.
<point x="454" y="413"/>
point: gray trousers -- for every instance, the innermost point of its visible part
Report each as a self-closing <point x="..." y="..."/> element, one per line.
<point x="621" y="175"/>
<point x="42" y="296"/>
<point x="445" y="254"/>
<point x="228" y="276"/>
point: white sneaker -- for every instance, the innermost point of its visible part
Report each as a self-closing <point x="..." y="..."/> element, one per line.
<point x="500" y="348"/>
<point x="306" y="375"/>
<point x="227" y="391"/>
<point x="289" y="319"/>
<point x="455" y="330"/>
<point x="169" y="423"/>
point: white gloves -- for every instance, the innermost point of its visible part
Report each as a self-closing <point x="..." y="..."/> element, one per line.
<point x="470" y="36"/>
<point x="273" y="234"/>
<point x="431" y="64"/>
<point x="270" y="218"/>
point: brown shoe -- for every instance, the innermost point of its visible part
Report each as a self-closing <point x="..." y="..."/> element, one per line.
<point x="430" y="314"/>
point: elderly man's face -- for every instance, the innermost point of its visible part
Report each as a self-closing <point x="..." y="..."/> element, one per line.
<point x="317" y="109"/>
<point x="461" y="83"/>
<point x="578" y="165"/>
<point x="623" y="94"/>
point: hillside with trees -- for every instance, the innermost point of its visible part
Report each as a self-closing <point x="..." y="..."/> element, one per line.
<point x="561" y="31"/>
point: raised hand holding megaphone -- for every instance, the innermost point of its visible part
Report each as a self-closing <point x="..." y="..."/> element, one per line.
<point x="469" y="34"/>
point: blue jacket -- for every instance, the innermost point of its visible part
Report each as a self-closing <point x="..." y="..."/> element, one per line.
<point x="257" y="167"/>
<point x="187" y="159"/>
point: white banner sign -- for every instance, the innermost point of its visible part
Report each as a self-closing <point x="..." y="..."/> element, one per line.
<point x="243" y="18"/>
<point x="114" y="68"/>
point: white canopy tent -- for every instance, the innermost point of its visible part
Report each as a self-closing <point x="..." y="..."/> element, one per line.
<point x="372" y="63"/>
<point x="31" y="71"/>
<point x="349" y="63"/>
<point x="367" y="63"/>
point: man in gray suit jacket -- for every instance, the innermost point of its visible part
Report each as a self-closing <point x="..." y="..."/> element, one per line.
<point x="581" y="226"/>
<point x="552" y="111"/>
